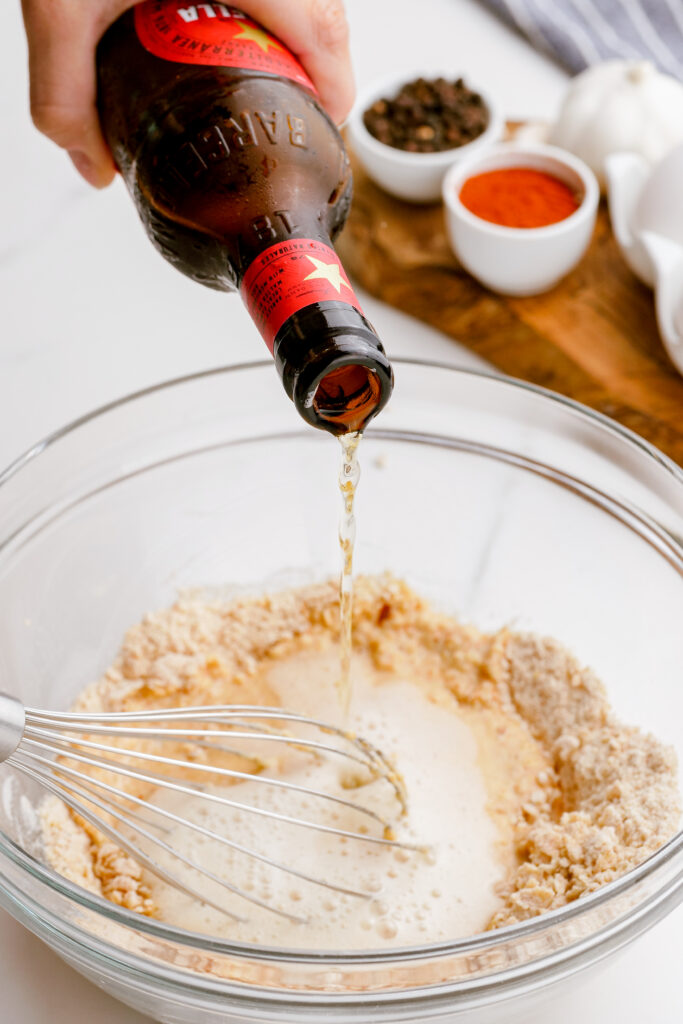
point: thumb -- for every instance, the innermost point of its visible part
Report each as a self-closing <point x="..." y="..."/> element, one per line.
<point x="317" y="32"/>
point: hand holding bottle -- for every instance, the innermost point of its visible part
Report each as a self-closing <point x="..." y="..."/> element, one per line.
<point x="241" y="180"/>
<point x="63" y="34"/>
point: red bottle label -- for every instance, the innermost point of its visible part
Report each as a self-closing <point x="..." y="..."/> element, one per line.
<point x="288" y="276"/>
<point x="213" y="34"/>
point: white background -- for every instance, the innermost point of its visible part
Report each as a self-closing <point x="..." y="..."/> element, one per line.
<point x="90" y="312"/>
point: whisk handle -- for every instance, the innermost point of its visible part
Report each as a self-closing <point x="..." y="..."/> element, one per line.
<point x="12" y="724"/>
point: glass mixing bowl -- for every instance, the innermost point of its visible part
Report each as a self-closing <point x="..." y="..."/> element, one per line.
<point x="502" y="503"/>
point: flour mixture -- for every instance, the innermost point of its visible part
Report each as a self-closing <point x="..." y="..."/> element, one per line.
<point x="526" y="788"/>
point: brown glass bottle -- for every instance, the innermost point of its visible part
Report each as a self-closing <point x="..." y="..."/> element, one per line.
<point x="242" y="182"/>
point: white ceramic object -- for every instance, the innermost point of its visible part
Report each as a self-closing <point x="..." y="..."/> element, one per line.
<point x="521" y="261"/>
<point x="667" y="258"/>
<point x="416" y="177"/>
<point x="626" y="175"/>
<point x="647" y="218"/>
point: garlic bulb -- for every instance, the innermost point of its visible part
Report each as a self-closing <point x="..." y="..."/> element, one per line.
<point x="620" y="106"/>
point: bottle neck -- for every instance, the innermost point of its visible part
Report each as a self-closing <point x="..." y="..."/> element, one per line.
<point x="333" y="366"/>
<point x="331" y="361"/>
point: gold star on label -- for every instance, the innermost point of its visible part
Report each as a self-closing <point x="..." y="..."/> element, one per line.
<point x="253" y="34"/>
<point x="327" y="272"/>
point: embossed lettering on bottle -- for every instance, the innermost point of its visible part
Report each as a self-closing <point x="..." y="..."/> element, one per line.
<point x="218" y="142"/>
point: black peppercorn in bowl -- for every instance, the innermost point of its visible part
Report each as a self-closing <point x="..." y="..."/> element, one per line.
<point x="407" y="130"/>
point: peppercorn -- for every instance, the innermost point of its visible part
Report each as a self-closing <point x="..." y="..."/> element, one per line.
<point x="428" y="116"/>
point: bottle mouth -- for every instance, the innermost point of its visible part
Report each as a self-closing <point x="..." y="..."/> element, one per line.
<point x="334" y="368"/>
<point x="347" y="397"/>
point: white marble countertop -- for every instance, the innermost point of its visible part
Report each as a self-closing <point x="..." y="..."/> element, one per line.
<point x="90" y="312"/>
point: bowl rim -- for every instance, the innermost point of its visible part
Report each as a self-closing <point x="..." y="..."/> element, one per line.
<point x="441" y="158"/>
<point x="585" y="411"/>
<point x="527" y="153"/>
<point x="469" y="944"/>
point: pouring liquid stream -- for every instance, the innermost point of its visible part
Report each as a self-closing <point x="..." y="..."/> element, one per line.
<point x="348" y="481"/>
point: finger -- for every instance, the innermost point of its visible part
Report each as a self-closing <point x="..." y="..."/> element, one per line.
<point x="61" y="39"/>
<point x="317" y="32"/>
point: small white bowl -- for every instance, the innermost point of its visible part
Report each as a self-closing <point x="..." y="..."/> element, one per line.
<point x="521" y="261"/>
<point x="416" y="177"/>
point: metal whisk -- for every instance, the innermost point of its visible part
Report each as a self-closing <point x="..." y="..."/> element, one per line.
<point x="57" y="750"/>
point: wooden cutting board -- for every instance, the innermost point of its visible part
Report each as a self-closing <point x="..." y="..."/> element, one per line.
<point x="593" y="337"/>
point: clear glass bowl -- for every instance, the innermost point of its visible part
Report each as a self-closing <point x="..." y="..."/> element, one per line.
<point x="502" y="503"/>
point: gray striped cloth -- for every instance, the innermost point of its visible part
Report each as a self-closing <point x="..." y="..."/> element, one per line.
<point x="579" y="33"/>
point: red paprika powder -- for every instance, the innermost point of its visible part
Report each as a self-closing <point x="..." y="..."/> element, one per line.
<point x="518" y="197"/>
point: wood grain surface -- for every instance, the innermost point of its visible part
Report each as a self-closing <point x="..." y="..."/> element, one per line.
<point x="593" y="337"/>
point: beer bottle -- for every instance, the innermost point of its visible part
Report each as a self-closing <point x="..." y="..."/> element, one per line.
<point x="242" y="182"/>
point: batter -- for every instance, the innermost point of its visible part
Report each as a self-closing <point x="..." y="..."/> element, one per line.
<point x="525" y="787"/>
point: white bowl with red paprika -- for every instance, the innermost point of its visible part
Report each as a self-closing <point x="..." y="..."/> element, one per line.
<point x="520" y="215"/>
<point x="408" y="129"/>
